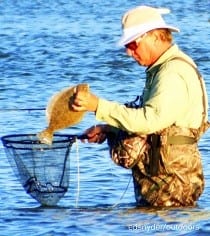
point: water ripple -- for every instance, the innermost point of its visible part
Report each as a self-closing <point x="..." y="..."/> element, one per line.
<point x="49" y="45"/>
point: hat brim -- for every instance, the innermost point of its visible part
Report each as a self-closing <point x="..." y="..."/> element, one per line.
<point x="127" y="38"/>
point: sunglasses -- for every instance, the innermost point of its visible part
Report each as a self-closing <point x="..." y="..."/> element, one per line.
<point x="134" y="44"/>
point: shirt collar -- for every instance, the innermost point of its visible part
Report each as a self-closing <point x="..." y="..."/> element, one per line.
<point x="164" y="57"/>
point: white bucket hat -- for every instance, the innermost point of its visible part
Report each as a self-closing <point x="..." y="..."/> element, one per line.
<point x="142" y="19"/>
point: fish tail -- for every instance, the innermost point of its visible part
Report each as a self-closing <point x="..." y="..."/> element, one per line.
<point x="45" y="136"/>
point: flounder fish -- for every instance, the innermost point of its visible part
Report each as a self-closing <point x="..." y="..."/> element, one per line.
<point x="59" y="113"/>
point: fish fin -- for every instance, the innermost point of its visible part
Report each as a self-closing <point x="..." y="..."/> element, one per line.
<point x="45" y="136"/>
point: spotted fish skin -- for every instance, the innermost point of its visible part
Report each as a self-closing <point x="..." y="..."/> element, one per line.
<point x="46" y="136"/>
<point x="60" y="114"/>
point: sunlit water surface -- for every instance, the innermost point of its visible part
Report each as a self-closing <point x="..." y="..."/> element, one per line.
<point x="48" y="45"/>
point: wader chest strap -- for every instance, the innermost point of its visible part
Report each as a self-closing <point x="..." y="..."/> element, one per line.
<point x="154" y="153"/>
<point x="204" y="125"/>
<point x="180" y="140"/>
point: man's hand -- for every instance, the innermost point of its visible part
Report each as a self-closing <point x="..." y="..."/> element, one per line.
<point x="84" y="101"/>
<point x="97" y="134"/>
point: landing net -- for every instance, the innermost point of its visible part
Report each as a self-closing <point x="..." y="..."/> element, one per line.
<point x="43" y="170"/>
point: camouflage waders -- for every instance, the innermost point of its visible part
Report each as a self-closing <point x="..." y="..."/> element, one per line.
<point x="178" y="180"/>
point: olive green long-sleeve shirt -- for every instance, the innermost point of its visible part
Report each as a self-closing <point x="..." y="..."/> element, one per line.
<point x="172" y="95"/>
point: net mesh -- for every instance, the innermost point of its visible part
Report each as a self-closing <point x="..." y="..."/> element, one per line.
<point x="43" y="170"/>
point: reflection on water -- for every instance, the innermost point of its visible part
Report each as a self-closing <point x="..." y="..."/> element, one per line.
<point x="49" y="45"/>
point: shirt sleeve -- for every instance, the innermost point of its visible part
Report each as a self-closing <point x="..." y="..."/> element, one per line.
<point x="167" y="102"/>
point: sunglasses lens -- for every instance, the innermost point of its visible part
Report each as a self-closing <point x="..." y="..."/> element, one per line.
<point x="131" y="46"/>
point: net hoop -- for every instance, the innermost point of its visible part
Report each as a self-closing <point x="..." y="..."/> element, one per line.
<point x="17" y="140"/>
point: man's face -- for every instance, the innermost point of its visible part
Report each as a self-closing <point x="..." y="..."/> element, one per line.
<point x="142" y="50"/>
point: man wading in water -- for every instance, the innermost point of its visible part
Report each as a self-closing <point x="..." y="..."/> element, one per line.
<point x="172" y="114"/>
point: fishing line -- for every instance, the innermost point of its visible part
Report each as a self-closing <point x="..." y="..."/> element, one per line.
<point x="78" y="180"/>
<point x="21" y="109"/>
<point x="123" y="194"/>
<point x="28" y="109"/>
<point x="78" y="173"/>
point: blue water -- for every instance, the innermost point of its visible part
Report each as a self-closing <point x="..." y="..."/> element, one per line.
<point x="48" y="45"/>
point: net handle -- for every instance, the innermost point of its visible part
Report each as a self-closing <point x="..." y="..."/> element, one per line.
<point x="81" y="136"/>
